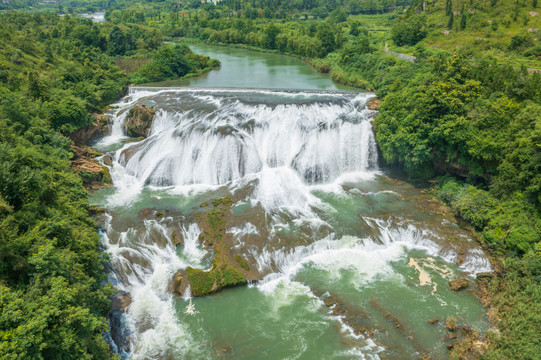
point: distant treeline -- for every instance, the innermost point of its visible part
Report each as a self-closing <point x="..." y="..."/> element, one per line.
<point x="250" y="8"/>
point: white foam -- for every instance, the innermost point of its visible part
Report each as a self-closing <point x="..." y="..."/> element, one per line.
<point x="193" y="252"/>
<point x="284" y="147"/>
<point x="147" y="269"/>
<point x="476" y="262"/>
<point x="365" y="259"/>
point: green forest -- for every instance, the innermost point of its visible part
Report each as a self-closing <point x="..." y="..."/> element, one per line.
<point x="464" y="119"/>
<point x="56" y="74"/>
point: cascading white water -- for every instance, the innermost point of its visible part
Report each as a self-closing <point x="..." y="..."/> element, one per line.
<point x="218" y="139"/>
<point x="144" y="261"/>
<point x="277" y="149"/>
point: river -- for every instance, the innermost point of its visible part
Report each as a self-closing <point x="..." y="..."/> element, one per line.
<point x="342" y="260"/>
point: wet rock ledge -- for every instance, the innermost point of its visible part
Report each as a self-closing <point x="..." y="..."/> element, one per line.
<point x="228" y="269"/>
<point x="139" y="120"/>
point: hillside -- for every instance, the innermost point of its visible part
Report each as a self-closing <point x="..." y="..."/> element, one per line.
<point x="56" y="74"/>
<point x="506" y="29"/>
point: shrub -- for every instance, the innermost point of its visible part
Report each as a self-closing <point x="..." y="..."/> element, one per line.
<point x="409" y="31"/>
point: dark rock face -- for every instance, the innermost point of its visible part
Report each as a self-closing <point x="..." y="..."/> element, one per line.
<point x="119" y="332"/>
<point x="139" y="120"/>
<point x="90" y="132"/>
<point x="459" y="284"/>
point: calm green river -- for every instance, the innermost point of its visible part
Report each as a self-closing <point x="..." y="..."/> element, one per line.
<point x="344" y="262"/>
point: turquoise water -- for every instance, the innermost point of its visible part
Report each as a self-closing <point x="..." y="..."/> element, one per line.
<point x="247" y="69"/>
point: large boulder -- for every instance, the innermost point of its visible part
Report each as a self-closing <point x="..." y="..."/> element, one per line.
<point x="90" y="132"/>
<point x="139" y="120"/>
<point x="458" y="284"/>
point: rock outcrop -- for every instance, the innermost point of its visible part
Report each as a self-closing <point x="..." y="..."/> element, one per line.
<point x="94" y="174"/>
<point x="373" y="104"/>
<point x="119" y="332"/>
<point x="139" y="120"/>
<point x="84" y="135"/>
<point x="459" y="284"/>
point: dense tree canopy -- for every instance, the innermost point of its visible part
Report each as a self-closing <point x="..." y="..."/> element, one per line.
<point x="54" y="73"/>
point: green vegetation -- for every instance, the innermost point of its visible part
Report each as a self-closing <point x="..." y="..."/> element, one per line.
<point x="201" y="282"/>
<point x="242" y="263"/>
<point x="227" y="201"/>
<point x="409" y="31"/>
<point x="172" y="62"/>
<point x="56" y="73"/>
<point x="52" y="298"/>
<point x="517" y="296"/>
<point x="205" y="282"/>
<point x="227" y="276"/>
<point x="506" y="29"/>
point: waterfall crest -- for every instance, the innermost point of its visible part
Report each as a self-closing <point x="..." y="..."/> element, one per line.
<point x="213" y="138"/>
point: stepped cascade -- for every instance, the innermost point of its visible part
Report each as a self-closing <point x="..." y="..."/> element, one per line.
<point x="311" y="217"/>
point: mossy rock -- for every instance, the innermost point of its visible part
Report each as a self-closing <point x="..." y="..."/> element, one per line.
<point x="139" y="120"/>
<point x="201" y="282"/>
<point x="228" y="276"/>
<point x="216" y="220"/>
<point x="106" y="177"/>
<point x="226" y="200"/>
<point x="242" y="263"/>
<point x="458" y="284"/>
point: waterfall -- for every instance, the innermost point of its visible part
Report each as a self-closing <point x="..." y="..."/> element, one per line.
<point x="279" y="151"/>
<point x="214" y="138"/>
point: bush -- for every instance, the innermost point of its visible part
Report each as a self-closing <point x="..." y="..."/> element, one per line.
<point x="510" y="224"/>
<point x="171" y="62"/>
<point x="409" y="30"/>
<point x="520" y="41"/>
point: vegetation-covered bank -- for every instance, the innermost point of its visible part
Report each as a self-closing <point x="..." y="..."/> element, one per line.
<point x="56" y="73"/>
